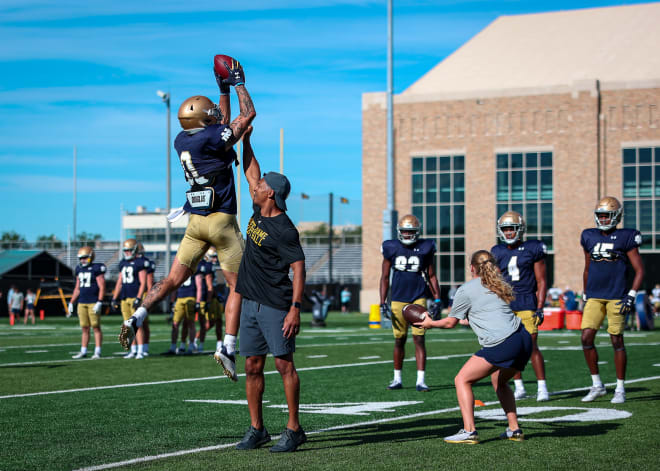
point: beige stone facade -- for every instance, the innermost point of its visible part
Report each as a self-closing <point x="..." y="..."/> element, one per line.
<point x="566" y="122"/>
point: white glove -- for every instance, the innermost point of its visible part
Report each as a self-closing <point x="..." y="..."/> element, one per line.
<point x="68" y="314"/>
<point x="97" y="307"/>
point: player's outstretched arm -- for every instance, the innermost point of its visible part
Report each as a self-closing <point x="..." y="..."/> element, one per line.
<point x="250" y="164"/>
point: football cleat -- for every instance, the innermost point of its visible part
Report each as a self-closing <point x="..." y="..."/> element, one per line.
<point x="422" y="387"/>
<point x="619" y="397"/>
<point x="513" y="435"/>
<point x="463" y="436"/>
<point x="227" y="361"/>
<point x="542" y="396"/>
<point x="594" y="392"/>
<point x="96" y="356"/>
<point x="79" y="355"/>
<point x="127" y="333"/>
<point x="520" y="394"/>
<point x="408" y="229"/>
<point x="395" y="385"/>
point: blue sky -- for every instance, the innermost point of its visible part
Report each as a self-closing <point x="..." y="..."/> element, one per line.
<point x="85" y="74"/>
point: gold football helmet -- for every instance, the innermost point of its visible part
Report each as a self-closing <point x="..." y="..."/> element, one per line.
<point x="609" y="207"/>
<point x="210" y="254"/>
<point x="514" y="220"/>
<point x="198" y="112"/>
<point x="130" y="249"/>
<point x="408" y="229"/>
<point x="85" y="256"/>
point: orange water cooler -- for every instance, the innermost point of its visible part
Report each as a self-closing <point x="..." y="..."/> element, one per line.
<point x="573" y="320"/>
<point x="553" y="318"/>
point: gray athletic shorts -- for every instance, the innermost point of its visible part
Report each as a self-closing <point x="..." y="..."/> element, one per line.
<point x="261" y="331"/>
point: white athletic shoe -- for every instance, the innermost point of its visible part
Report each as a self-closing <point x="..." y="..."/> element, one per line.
<point x="146" y="354"/>
<point x="542" y="396"/>
<point x="139" y="356"/>
<point x="96" y="356"/>
<point x="470" y="438"/>
<point x="79" y="355"/>
<point x="520" y="394"/>
<point x="594" y="392"/>
<point x="619" y="397"/>
<point x="129" y="355"/>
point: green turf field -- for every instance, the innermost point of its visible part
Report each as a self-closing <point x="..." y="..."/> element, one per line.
<point x="181" y="413"/>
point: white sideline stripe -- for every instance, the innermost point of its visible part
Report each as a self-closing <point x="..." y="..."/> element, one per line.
<point x="319" y="431"/>
<point x="171" y="381"/>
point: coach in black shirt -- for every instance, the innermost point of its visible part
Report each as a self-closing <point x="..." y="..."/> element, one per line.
<point x="270" y="310"/>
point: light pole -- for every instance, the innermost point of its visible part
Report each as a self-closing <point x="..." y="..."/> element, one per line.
<point x="166" y="99"/>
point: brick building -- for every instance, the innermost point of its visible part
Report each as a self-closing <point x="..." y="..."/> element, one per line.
<point x="543" y="114"/>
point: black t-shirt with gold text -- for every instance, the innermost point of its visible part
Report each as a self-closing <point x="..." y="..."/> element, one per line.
<point x="272" y="246"/>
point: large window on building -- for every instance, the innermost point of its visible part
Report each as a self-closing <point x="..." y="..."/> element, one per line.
<point x="524" y="184"/>
<point x="641" y="193"/>
<point x="438" y="201"/>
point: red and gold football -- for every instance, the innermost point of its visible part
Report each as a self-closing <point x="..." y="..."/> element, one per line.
<point x="414" y="313"/>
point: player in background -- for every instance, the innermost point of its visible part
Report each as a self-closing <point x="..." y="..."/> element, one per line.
<point x="554" y="294"/>
<point x="411" y="259"/>
<point x="150" y="270"/>
<point x="184" y="313"/>
<point x="210" y="309"/>
<point x="89" y="292"/>
<point x="205" y="149"/>
<point x="30" y="297"/>
<point x="607" y="251"/>
<point x="655" y="299"/>
<point x="523" y="266"/>
<point x="131" y="285"/>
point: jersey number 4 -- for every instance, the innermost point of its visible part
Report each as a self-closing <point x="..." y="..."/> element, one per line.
<point x="403" y="263"/>
<point x="512" y="268"/>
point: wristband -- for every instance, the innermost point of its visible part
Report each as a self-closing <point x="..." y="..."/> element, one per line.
<point x="632" y="293"/>
<point x="437" y="300"/>
<point x="296" y="305"/>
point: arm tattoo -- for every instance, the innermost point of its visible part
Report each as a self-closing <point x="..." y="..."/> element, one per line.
<point x="243" y="120"/>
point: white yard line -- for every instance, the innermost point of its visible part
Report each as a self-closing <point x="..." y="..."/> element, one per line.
<point x="146" y="459"/>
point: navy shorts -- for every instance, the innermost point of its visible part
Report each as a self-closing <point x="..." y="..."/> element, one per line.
<point x="261" y="331"/>
<point x="514" y="352"/>
<point x="16" y="312"/>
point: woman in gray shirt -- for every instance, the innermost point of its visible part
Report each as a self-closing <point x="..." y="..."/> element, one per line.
<point x="506" y="345"/>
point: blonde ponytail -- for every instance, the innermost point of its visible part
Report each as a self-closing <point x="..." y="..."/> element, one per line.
<point x="486" y="268"/>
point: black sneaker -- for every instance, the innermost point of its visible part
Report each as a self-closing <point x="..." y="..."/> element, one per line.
<point x="253" y="438"/>
<point x="289" y="441"/>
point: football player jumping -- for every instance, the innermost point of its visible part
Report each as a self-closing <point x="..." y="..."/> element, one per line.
<point x="205" y="148"/>
<point x="411" y="258"/>
<point x="607" y="250"/>
<point x="89" y="290"/>
<point x="131" y="285"/>
<point x="523" y="266"/>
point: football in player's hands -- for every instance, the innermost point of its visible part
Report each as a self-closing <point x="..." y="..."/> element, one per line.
<point x="228" y="69"/>
<point x="414" y="313"/>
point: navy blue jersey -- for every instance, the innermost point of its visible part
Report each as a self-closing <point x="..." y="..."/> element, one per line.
<point x="89" y="288"/>
<point x="130" y="279"/>
<point x="408" y="263"/>
<point x="206" y="163"/>
<point x="204" y="268"/>
<point x="151" y="268"/>
<point x="607" y="268"/>
<point x="188" y="289"/>
<point x="517" y="267"/>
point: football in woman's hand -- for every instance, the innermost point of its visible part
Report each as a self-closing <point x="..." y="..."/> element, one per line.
<point x="414" y="313"/>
